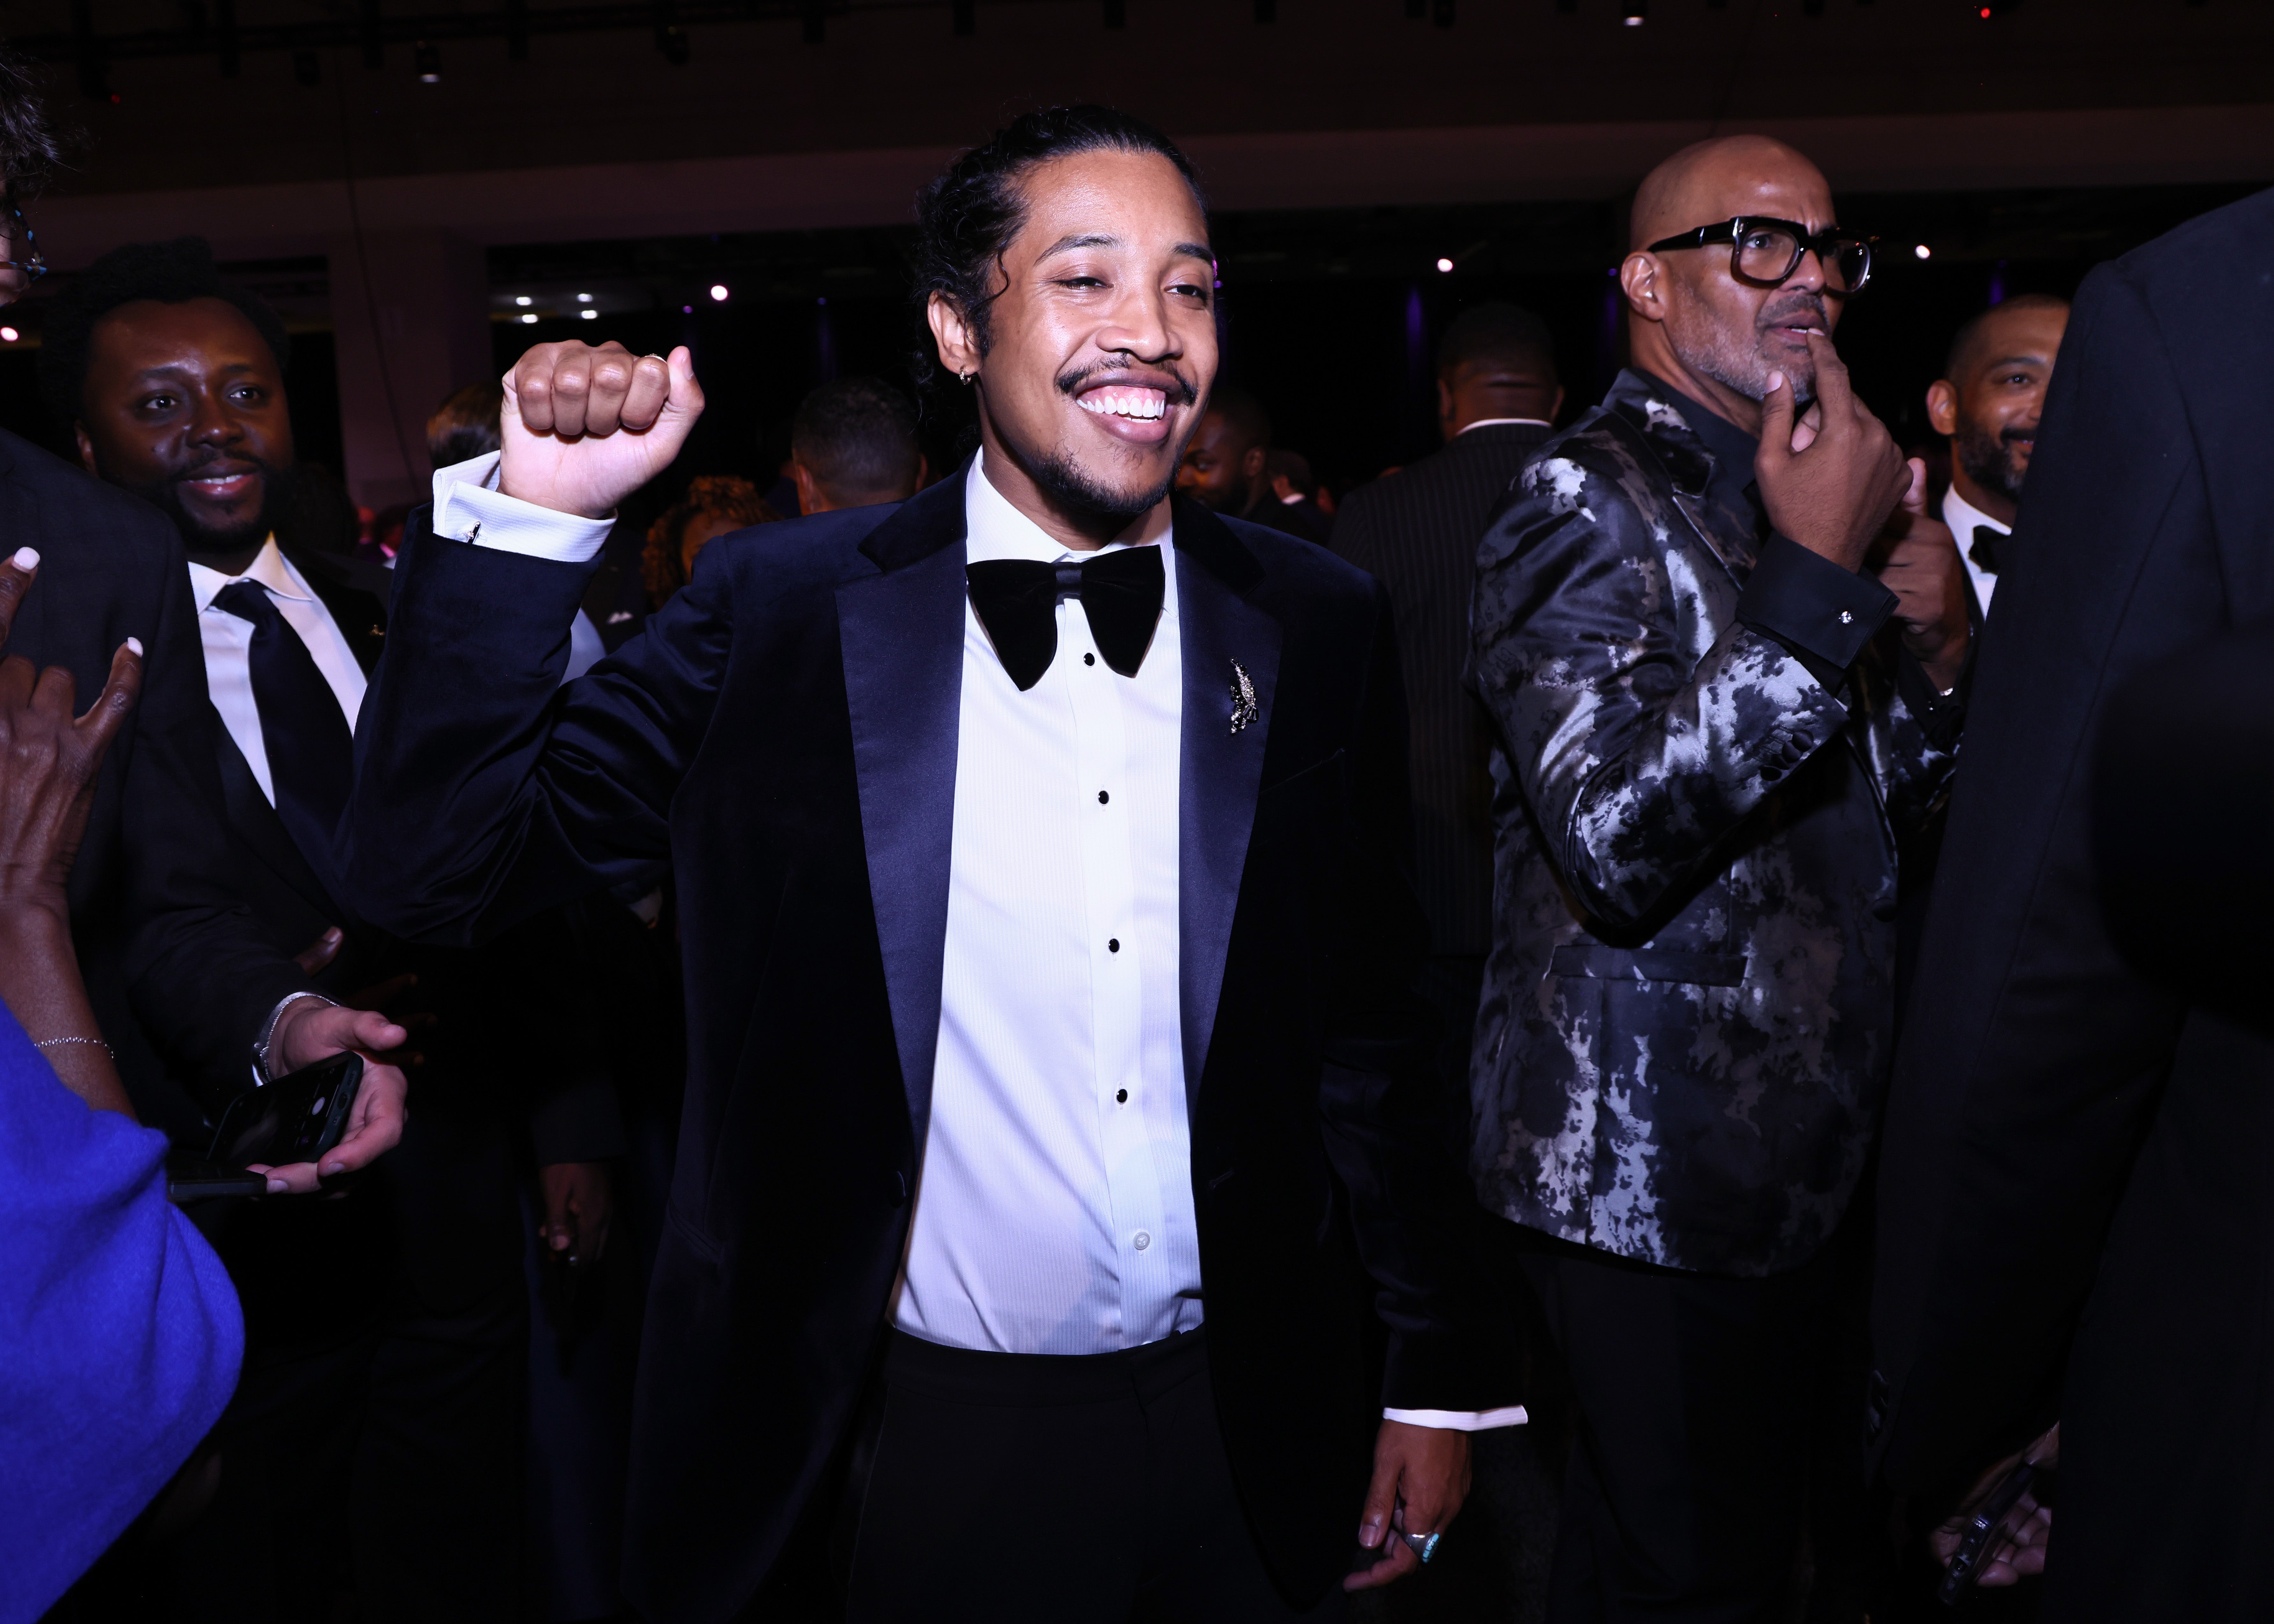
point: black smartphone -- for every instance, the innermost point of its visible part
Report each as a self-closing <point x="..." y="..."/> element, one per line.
<point x="191" y="1179"/>
<point x="295" y="1118"/>
<point x="1978" y="1544"/>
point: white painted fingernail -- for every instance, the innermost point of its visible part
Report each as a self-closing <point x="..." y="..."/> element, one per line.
<point x="135" y="644"/>
<point x="27" y="557"/>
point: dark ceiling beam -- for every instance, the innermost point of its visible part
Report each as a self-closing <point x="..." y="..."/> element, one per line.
<point x="374" y="28"/>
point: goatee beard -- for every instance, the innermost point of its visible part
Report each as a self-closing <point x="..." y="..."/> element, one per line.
<point x="1070" y="488"/>
<point x="199" y="541"/>
<point x="1988" y="460"/>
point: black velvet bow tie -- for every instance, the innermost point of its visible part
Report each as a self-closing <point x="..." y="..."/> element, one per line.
<point x="1984" y="550"/>
<point x="1018" y="600"/>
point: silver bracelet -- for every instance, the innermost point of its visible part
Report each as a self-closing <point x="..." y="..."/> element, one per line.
<point x="58" y="1042"/>
<point x="260" y="1072"/>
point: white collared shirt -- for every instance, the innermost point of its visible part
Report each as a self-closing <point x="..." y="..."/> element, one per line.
<point x="1054" y="1211"/>
<point x="1054" y="1208"/>
<point x="1962" y="515"/>
<point x="227" y="642"/>
<point x="1494" y="423"/>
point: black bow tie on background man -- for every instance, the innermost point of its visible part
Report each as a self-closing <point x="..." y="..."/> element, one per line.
<point x="310" y="748"/>
<point x="1987" y="539"/>
<point x="1016" y="600"/>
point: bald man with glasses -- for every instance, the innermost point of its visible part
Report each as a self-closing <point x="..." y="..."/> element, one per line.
<point x="1723" y="644"/>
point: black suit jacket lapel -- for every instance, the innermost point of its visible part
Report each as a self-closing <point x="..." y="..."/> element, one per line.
<point x="1220" y="770"/>
<point x="901" y="636"/>
<point x="360" y="613"/>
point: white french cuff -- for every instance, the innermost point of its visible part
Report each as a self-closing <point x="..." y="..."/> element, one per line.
<point x="469" y="507"/>
<point x="1460" y="1420"/>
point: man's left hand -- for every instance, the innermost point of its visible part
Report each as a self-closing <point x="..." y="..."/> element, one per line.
<point x="2016" y="1550"/>
<point x="1421" y="1477"/>
<point x="310" y="1030"/>
<point x="1924" y="571"/>
<point x="579" y="1203"/>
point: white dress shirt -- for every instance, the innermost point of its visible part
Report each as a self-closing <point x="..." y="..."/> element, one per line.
<point x="229" y="651"/>
<point x="1054" y="1213"/>
<point x="1054" y="1207"/>
<point x="1962" y="515"/>
<point x="1494" y="423"/>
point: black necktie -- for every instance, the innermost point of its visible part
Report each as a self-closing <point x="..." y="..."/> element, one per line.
<point x="1018" y="602"/>
<point x="1984" y="550"/>
<point x="311" y="749"/>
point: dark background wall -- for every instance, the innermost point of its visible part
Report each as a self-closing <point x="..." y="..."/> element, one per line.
<point x="1319" y="308"/>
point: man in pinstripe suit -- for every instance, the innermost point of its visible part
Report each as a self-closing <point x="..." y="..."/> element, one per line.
<point x="1417" y="530"/>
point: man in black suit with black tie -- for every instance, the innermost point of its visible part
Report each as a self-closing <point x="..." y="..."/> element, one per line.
<point x="192" y="998"/>
<point x="1039" y="845"/>
<point x="385" y="1348"/>
<point x="2075" y="1216"/>
<point x="1416" y="531"/>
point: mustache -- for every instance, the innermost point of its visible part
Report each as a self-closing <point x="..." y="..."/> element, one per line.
<point x="1186" y="393"/>
<point x="1779" y="313"/>
<point x="214" y="456"/>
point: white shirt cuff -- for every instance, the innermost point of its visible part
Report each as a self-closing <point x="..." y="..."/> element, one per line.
<point x="469" y="507"/>
<point x="1460" y="1420"/>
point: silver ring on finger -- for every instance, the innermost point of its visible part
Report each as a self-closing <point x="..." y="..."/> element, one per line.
<point x="1423" y="1546"/>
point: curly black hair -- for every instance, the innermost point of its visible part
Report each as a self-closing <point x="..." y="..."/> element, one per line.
<point x="967" y="216"/>
<point x="170" y="273"/>
<point x="30" y="150"/>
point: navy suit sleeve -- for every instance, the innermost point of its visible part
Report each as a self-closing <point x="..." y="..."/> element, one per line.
<point x="485" y="789"/>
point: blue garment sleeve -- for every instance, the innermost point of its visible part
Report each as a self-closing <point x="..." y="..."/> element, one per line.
<point x="120" y="1335"/>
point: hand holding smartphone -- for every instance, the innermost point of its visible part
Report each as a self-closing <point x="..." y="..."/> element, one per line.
<point x="295" y="1118"/>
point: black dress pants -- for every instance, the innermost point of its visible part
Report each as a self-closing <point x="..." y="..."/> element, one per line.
<point x="374" y="1441"/>
<point x="1699" y="1397"/>
<point x="1014" y="1487"/>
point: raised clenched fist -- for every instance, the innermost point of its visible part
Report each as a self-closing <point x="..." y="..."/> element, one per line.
<point x="584" y="427"/>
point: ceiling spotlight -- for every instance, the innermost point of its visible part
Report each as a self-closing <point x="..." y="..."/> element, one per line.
<point x="9" y="335"/>
<point x="1444" y="265"/>
<point x="428" y="60"/>
<point x="528" y="319"/>
<point x="583" y="298"/>
<point x="1923" y="252"/>
<point x="589" y="315"/>
<point x="719" y="292"/>
<point x="686" y="309"/>
<point x="522" y="298"/>
<point x="1633" y="11"/>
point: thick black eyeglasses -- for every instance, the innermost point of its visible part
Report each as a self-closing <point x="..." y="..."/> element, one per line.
<point x="23" y="248"/>
<point x="1766" y="251"/>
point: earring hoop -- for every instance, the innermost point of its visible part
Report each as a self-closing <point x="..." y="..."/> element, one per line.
<point x="967" y="378"/>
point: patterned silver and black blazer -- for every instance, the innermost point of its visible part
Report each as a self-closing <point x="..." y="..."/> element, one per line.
<point x="1685" y="1030"/>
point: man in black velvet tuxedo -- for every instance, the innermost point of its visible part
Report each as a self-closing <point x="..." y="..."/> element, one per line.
<point x="1040" y="844"/>
<point x="167" y="948"/>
